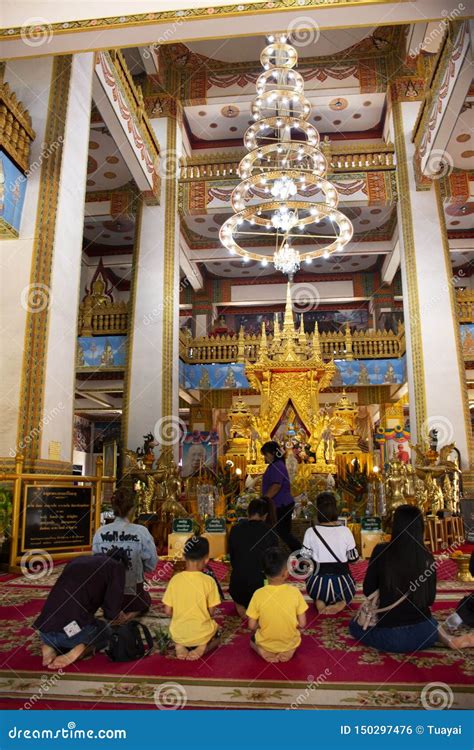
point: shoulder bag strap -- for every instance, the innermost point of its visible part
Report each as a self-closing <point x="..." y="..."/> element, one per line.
<point x="392" y="606"/>
<point x="326" y="545"/>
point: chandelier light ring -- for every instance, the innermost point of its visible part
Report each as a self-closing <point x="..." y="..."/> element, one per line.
<point x="257" y="130"/>
<point x="281" y="101"/>
<point x="278" y="54"/>
<point x="293" y="80"/>
<point x="233" y="225"/>
<point x="247" y="190"/>
<point x="283" y="153"/>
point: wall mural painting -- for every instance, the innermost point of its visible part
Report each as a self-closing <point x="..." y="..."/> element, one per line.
<point x="212" y="377"/>
<point x="105" y="432"/>
<point x="331" y="321"/>
<point x="107" y="352"/>
<point x="348" y="372"/>
<point x="12" y="196"/>
<point x="370" y="372"/>
<point x="467" y="340"/>
<point x="328" y="320"/>
<point x="82" y="434"/>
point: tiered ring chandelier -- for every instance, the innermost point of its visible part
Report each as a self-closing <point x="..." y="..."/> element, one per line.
<point x="284" y="196"/>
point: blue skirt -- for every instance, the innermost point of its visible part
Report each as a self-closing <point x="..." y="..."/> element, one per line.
<point x="331" y="587"/>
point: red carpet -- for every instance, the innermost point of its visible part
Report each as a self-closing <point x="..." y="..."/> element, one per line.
<point x="329" y="670"/>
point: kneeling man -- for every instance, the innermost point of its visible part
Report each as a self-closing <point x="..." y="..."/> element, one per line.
<point x="67" y="624"/>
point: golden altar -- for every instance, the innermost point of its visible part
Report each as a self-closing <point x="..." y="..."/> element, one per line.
<point x="288" y="374"/>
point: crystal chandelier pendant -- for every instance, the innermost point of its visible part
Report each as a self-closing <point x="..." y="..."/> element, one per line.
<point x="287" y="260"/>
<point x="284" y="199"/>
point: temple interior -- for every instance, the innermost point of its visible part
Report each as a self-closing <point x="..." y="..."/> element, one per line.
<point x="221" y="229"/>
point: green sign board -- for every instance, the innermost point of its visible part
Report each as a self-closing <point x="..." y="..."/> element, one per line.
<point x="183" y="526"/>
<point x="371" y="523"/>
<point x="215" y="526"/>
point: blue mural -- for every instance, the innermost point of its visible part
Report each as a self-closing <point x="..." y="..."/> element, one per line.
<point x="349" y="372"/>
<point x="211" y="377"/>
<point x="101" y="351"/>
<point x="370" y="371"/>
<point x="12" y="196"/>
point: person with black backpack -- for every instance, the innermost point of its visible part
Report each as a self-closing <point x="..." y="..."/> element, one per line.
<point x="68" y="626"/>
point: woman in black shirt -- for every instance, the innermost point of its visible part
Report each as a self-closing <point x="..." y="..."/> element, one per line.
<point x="248" y="540"/>
<point x="403" y="566"/>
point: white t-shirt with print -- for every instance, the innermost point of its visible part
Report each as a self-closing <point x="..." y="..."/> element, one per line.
<point x="339" y="539"/>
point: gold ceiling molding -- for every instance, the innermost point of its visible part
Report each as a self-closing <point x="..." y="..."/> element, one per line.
<point x="444" y="67"/>
<point x="113" y="72"/>
<point x="190" y="14"/>
<point x="335" y="148"/>
<point x="122" y="199"/>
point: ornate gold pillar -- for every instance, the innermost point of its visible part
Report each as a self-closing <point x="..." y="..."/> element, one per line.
<point x="438" y="397"/>
<point x="43" y="265"/>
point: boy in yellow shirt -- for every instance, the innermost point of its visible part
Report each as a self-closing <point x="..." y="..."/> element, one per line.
<point x="277" y="611"/>
<point x="191" y="598"/>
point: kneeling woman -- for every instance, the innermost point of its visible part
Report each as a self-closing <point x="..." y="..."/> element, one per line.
<point x="139" y="545"/>
<point x="332" y="547"/>
<point x="404" y="573"/>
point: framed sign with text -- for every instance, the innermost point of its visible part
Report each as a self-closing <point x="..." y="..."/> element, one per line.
<point x="57" y="517"/>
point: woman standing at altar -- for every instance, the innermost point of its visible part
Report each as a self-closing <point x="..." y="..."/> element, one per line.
<point x="276" y="488"/>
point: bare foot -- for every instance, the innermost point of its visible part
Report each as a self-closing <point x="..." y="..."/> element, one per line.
<point x="320" y="606"/>
<point x="66" y="659"/>
<point x="49" y="654"/>
<point x="197" y="653"/>
<point x="241" y="611"/>
<point x="285" y="656"/>
<point x="268" y="655"/>
<point x="181" y="651"/>
<point x="333" y="609"/>
<point x="462" y="641"/>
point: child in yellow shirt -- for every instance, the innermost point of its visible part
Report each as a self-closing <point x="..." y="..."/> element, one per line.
<point x="191" y="598"/>
<point x="276" y="612"/>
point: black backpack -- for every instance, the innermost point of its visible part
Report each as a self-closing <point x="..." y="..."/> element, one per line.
<point x="130" y="642"/>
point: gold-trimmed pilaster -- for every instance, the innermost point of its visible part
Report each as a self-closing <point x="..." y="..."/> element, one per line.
<point x="457" y="332"/>
<point x="131" y="324"/>
<point x="410" y="264"/>
<point x="171" y="208"/>
<point x="36" y="328"/>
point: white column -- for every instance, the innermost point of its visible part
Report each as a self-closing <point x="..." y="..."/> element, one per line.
<point x="436" y="373"/>
<point x="30" y="80"/>
<point x="41" y="270"/>
<point x="60" y="373"/>
<point x="152" y="380"/>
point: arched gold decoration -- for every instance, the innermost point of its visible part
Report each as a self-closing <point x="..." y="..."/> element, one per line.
<point x="291" y="370"/>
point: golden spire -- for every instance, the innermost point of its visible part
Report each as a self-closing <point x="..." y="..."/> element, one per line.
<point x="276" y="333"/>
<point x="263" y="341"/>
<point x="316" y="341"/>
<point x="301" y="333"/>
<point x="288" y="322"/>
